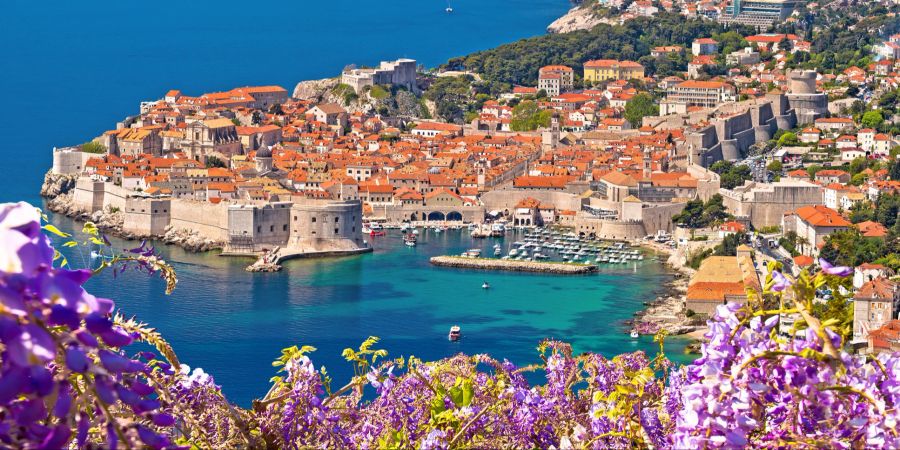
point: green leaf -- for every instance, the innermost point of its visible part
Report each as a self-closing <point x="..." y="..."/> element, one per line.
<point x="456" y="395"/>
<point x="56" y="231"/>
<point x="468" y="392"/>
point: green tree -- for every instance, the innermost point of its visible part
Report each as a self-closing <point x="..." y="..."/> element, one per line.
<point x="213" y="161"/>
<point x="788" y="139"/>
<point x="640" y="106"/>
<point x="730" y="175"/>
<point x="775" y="166"/>
<point x="527" y="116"/>
<point x="872" y="119"/>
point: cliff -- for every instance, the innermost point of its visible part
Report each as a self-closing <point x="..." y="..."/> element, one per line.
<point x="315" y="89"/>
<point x="57" y="184"/>
<point x="578" y="18"/>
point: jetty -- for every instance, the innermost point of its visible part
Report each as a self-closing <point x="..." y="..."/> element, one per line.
<point x="460" y="262"/>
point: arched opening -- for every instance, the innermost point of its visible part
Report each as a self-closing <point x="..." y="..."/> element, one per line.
<point x="413" y="217"/>
<point x="454" y="216"/>
<point x="436" y="215"/>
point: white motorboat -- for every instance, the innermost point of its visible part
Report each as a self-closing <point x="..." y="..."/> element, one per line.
<point x="485" y="285"/>
<point x="634" y="334"/>
<point x="455" y="333"/>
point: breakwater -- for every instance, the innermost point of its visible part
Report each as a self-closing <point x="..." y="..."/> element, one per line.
<point x="512" y="266"/>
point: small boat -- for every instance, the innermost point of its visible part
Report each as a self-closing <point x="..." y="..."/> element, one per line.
<point x="634" y="334"/>
<point x="404" y="227"/>
<point x="454" y="334"/>
<point x="415" y="231"/>
<point x="410" y="243"/>
<point x="485" y="285"/>
<point x="376" y="233"/>
<point x="409" y="240"/>
<point x="497" y="252"/>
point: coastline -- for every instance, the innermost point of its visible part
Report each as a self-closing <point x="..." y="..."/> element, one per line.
<point x="666" y="311"/>
<point x="57" y="191"/>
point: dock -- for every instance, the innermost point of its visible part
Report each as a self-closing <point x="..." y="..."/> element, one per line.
<point x="460" y="262"/>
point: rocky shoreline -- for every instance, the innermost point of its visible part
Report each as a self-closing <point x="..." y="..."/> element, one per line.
<point x="58" y="190"/>
<point x="580" y="17"/>
<point x="667" y="312"/>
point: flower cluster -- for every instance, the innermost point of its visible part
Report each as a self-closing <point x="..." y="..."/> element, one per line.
<point x="65" y="382"/>
<point x="63" y="376"/>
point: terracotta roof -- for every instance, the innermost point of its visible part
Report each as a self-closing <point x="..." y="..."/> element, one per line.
<point x="821" y="216"/>
<point x="879" y="288"/>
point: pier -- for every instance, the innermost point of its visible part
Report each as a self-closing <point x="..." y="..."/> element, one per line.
<point x="509" y="265"/>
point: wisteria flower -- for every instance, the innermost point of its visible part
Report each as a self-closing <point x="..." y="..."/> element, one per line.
<point x="841" y="271"/>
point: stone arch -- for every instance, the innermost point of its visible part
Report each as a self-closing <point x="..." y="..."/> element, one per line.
<point x="436" y="215"/>
<point x="454" y="216"/>
<point x="414" y="217"/>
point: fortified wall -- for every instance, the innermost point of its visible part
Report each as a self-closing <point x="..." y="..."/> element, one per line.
<point x="636" y="220"/>
<point x="507" y="199"/>
<point x="314" y="226"/>
<point x="764" y="204"/>
<point x="727" y="131"/>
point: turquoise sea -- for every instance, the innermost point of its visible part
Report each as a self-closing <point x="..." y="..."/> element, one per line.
<point x="72" y="69"/>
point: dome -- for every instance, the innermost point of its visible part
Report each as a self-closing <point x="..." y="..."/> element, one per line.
<point x="264" y="152"/>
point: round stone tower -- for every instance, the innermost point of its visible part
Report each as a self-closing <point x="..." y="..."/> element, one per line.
<point x="802" y="82"/>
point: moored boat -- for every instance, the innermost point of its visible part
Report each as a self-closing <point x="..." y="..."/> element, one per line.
<point x="455" y="333"/>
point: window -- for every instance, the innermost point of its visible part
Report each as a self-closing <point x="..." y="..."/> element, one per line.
<point x="284" y="227"/>
<point x="258" y="229"/>
<point x="313" y="220"/>
<point x="271" y="228"/>
<point x="336" y="219"/>
<point x="336" y="231"/>
<point x="295" y="218"/>
<point x="353" y="230"/>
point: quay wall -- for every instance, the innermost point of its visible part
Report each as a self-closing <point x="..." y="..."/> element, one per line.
<point x="512" y="266"/>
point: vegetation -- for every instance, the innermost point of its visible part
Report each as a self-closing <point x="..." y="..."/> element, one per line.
<point x="93" y="147"/>
<point x="527" y="116"/>
<point x="697" y="214"/>
<point x="640" y="106"/>
<point x="451" y="96"/>
<point x="518" y="62"/>
<point x="731" y="175"/>
<point x="213" y="161"/>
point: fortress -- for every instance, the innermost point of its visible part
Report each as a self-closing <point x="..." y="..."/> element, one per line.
<point x="727" y="131"/>
<point x="305" y="228"/>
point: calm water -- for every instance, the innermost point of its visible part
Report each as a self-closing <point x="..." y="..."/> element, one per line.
<point x="71" y="69"/>
<point x="233" y="324"/>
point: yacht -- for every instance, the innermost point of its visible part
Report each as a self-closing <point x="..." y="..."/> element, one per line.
<point x="455" y="333"/>
<point x="485" y="285"/>
<point x="634" y="334"/>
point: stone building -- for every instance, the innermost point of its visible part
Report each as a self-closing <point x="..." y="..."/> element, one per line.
<point x="203" y="138"/>
<point x="813" y="224"/>
<point x="609" y="69"/>
<point x="555" y="80"/>
<point x="705" y="94"/>
<point x="765" y="204"/>
<point x="807" y="102"/>
<point x="874" y="304"/>
<point x="401" y="72"/>
<point x="719" y="280"/>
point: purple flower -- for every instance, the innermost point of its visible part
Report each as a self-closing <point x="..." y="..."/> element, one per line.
<point x="781" y="281"/>
<point x="841" y="271"/>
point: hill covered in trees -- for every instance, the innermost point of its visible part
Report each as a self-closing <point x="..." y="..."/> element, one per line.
<point x="518" y="62"/>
